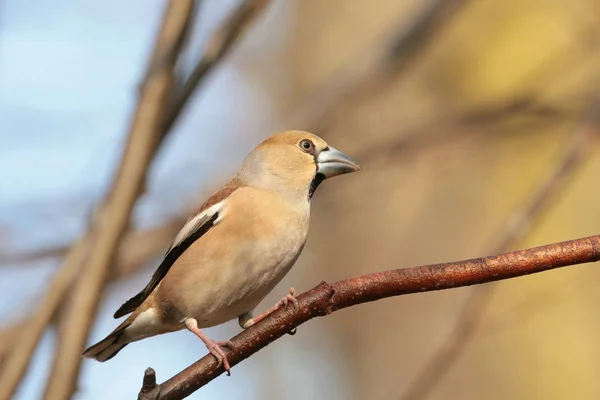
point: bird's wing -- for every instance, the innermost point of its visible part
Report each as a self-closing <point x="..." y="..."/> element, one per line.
<point x="200" y="223"/>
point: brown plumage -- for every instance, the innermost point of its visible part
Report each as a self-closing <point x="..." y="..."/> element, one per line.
<point x="233" y="251"/>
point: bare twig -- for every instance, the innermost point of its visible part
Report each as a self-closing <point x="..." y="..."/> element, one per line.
<point x="136" y="249"/>
<point x="447" y="128"/>
<point x="217" y="47"/>
<point x="150" y="389"/>
<point x="402" y="51"/>
<point x="415" y="38"/>
<point x="18" y="359"/>
<point x="32" y="256"/>
<point x="112" y="221"/>
<point x="327" y="298"/>
<point x="525" y="104"/>
<point x="575" y="153"/>
<point x="8" y="337"/>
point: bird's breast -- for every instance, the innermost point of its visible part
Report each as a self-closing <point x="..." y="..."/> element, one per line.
<point x="236" y="264"/>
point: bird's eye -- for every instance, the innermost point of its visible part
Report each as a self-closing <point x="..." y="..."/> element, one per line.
<point x="307" y="146"/>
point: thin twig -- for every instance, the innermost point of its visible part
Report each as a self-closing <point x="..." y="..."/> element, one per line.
<point x="576" y="151"/>
<point x="148" y="242"/>
<point x="136" y="250"/>
<point x="529" y="104"/>
<point x="18" y="359"/>
<point x="402" y="51"/>
<point x="217" y="47"/>
<point x="32" y="256"/>
<point x="415" y="38"/>
<point x="448" y="128"/>
<point x="327" y="298"/>
<point x="112" y="221"/>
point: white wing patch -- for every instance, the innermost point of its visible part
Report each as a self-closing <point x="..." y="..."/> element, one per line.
<point x="196" y="222"/>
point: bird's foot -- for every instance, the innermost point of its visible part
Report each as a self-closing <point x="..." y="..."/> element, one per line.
<point x="287" y="299"/>
<point x="246" y="321"/>
<point x="216" y="349"/>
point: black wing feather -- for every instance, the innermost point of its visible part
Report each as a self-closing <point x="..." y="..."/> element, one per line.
<point x="172" y="255"/>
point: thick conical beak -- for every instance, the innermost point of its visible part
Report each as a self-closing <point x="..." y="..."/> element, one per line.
<point x="332" y="162"/>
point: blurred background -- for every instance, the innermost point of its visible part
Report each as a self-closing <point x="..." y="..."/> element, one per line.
<point x="474" y="123"/>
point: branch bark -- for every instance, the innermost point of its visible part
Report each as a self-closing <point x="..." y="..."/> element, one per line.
<point x="113" y="219"/>
<point x="327" y="298"/>
<point x="577" y="149"/>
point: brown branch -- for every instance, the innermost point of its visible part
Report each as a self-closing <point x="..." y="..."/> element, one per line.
<point x="135" y="251"/>
<point x="576" y="151"/>
<point x="8" y="337"/>
<point x="32" y="256"/>
<point x="137" y="248"/>
<point x="327" y="298"/>
<point x="149" y="387"/>
<point x="17" y="360"/>
<point x="113" y="219"/>
<point x="217" y="47"/>
<point x="415" y="38"/>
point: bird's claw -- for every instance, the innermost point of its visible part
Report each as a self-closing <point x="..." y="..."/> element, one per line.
<point x="216" y="349"/>
<point x="289" y="298"/>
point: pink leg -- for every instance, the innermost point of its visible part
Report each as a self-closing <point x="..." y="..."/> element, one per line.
<point x="214" y="347"/>
<point x="246" y="321"/>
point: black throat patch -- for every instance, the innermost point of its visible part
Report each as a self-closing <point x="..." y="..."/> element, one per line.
<point x="315" y="184"/>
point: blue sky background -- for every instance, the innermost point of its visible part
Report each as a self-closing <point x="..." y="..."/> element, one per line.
<point x="69" y="70"/>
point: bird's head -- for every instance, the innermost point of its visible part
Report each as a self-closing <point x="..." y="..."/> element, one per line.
<point x="294" y="163"/>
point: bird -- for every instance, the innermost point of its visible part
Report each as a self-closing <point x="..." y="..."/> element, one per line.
<point x="234" y="249"/>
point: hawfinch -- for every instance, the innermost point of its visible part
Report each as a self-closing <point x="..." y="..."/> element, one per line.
<point x="233" y="251"/>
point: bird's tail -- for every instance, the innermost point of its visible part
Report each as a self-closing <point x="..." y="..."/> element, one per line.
<point x="108" y="347"/>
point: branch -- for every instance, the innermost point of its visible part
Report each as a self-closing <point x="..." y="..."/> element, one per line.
<point x="8" y="337"/>
<point x="31" y="256"/>
<point x="113" y="219"/>
<point x="416" y="37"/>
<point x="137" y="248"/>
<point x="217" y="47"/>
<point x="327" y="298"/>
<point x="149" y="387"/>
<point x="16" y="362"/>
<point x="576" y="152"/>
<point x="135" y="251"/>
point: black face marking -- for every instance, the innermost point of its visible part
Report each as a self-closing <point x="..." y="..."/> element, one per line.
<point x="315" y="184"/>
